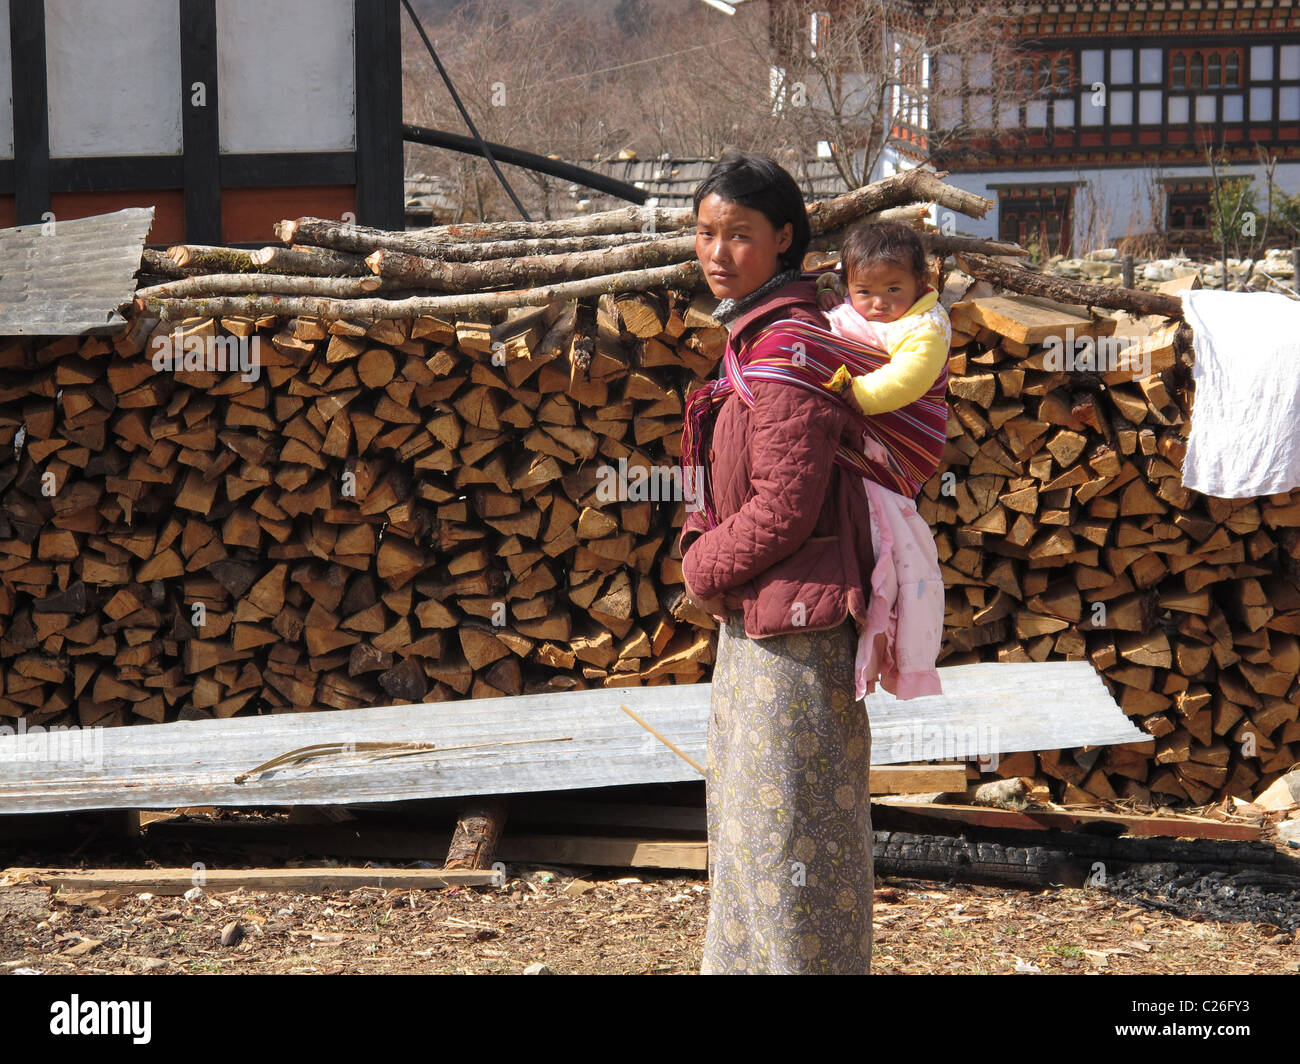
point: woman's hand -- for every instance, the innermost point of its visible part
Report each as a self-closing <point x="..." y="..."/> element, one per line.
<point x="713" y="607"/>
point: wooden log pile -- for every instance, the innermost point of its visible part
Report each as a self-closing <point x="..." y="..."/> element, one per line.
<point x="407" y="502"/>
<point x="1065" y="532"/>
<point x="453" y="473"/>
<point x="386" y="514"/>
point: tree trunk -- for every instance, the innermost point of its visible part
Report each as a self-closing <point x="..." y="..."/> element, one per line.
<point x="417" y="272"/>
<point x="683" y="275"/>
<point x="1067" y="291"/>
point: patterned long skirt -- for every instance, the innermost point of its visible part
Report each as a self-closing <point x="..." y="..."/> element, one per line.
<point x="789" y="807"/>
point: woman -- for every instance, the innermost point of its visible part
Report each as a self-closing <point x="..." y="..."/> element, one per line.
<point x="782" y="560"/>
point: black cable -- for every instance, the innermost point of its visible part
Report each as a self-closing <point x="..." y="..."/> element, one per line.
<point x="487" y="152"/>
<point x="528" y="160"/>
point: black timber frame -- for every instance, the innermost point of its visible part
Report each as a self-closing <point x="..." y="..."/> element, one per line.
<point x="31" y="179"/>
<point x="375" y="167"/>
<point x="380" y="158"/>
<point x="200" y="122"/>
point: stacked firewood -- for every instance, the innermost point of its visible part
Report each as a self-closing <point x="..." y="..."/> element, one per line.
<point x="1065" y="532"/>
<point x="451" y="477"/>
<point x="415" y="496"/>
<point x="384" y="515"/>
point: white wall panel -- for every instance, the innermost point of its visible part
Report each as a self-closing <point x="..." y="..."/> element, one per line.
<point x="1261" y="62"/>
<point x="1151" y="64"/>
<point x="1121" y="108"/>
<point x="114" y="70"/>
<point x="287" y="73"/>
<point x="1121" y="66"/>
<point x="1288" y="62"/>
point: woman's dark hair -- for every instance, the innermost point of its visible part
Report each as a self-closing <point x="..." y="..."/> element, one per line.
<point x="760" y="182"/>
<point x="868" y="243"/>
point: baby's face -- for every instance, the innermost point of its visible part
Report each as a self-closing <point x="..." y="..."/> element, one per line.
<point x="883" y="291"/>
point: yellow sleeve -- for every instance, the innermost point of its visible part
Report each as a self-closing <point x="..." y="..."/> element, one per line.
<point x="913" y="367"/>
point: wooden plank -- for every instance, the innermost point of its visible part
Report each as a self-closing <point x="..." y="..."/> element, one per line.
<point x="917" y="779"/>
<point x="598" y="850"/>
<point x="1027" y="321"/>
<point x="391" y="844"/>
<point x="307" y="880"/>
<point x="1070" y="820"/>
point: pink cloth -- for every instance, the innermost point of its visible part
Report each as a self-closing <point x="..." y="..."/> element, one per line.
<point x="899" y="643"/>
<point x="846" y="321"/>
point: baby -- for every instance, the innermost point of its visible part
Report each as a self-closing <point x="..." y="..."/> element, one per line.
<point x="891" y="306"/>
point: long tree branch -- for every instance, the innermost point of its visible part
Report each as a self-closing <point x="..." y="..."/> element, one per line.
<point x="684" y="275"/>
<point x="1061" y="289"/>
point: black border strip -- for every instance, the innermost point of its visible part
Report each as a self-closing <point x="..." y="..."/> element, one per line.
<point x="272" y="169"/>
<point x="130" y="173"/>
<point x="117" y="173"/>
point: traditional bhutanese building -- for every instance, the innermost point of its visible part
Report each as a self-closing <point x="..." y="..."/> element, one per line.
<point x="1099" y="131"/>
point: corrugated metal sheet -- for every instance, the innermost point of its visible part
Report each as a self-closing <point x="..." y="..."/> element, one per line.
<point x="66" y="278"/>
<point x="586" y="741"/>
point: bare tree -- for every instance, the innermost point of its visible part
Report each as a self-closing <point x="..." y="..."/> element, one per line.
<point x="512" y="69"/>
<point x="1235" y="217"/>
<point x="864" y="72"/>
<point x="1093" y="219"/>
<point x="583" y="82"/>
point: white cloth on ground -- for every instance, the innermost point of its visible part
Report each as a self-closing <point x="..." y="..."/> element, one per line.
<point x="1245" y="435"/>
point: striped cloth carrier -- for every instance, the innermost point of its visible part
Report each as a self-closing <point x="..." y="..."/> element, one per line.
<point x="807" y="356"/>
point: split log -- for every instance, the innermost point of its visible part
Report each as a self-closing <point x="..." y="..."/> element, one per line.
<point x="478" y="830"/>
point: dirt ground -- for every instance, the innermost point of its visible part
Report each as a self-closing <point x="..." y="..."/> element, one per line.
<point x="615" y="924"/>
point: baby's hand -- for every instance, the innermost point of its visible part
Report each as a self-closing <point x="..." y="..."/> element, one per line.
<point x="830" y="292"/>
<point x="840" y="380"/>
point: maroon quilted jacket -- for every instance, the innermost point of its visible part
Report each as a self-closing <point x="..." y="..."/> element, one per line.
<point x="792" y="549"/>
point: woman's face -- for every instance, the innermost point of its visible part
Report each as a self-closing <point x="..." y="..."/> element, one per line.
<point x="737" y="246"/>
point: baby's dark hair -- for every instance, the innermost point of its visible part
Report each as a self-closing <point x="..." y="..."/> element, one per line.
<point x="869" y="243"/>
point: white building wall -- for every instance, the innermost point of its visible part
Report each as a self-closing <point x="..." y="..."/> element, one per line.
<point x="114" y="76"/>
<point x="1110" y="204"/>
<point x="287" y="74"/>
